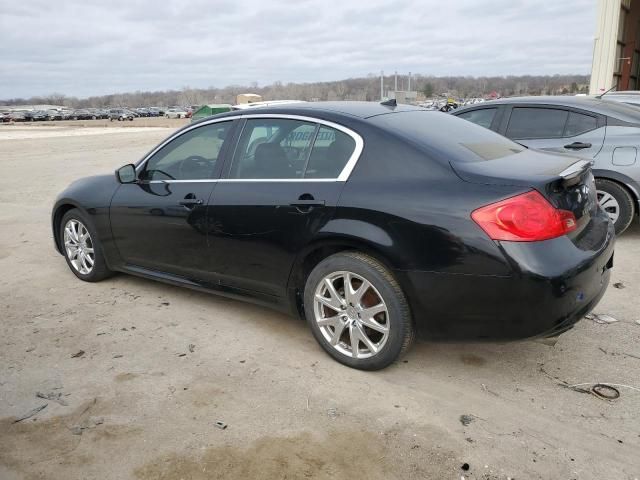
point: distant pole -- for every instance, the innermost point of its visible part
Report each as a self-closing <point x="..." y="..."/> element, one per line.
<point x="409" y="87"/>
<point x="396" y="84"/>
<point x="381" y="84"/>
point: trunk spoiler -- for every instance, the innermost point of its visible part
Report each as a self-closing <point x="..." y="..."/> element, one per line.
<point x="573" y="172"/>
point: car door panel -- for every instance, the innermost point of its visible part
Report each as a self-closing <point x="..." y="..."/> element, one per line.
<point x="152" y="229"/>
<point x="258" y="227"/>
<point x="280" y="189"/>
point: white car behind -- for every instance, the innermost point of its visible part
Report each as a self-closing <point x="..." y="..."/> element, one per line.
<point x="175" y="112"/>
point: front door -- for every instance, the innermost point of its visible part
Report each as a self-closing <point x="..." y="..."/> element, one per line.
<point x="279" y="191"/>
<point x="160" y="222"/>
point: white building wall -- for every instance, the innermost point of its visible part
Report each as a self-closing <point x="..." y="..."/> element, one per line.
<point x="604" y="48"/>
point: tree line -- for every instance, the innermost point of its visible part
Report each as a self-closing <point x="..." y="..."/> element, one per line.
<point x="364" y="88"/>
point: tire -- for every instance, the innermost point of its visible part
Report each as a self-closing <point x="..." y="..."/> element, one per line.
<point x="617" y="202"/>
<point x="387" y="346"/>
<point x="99" y="270"/>
<point x="111" y="119"/>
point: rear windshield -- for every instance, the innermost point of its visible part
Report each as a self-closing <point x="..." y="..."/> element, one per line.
<point x="448" y="138"/>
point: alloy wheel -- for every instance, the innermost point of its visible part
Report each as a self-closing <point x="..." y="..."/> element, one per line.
<point x="79" y="246"/>
<point x="351" y="314"/>
<point x="609" y="204"/>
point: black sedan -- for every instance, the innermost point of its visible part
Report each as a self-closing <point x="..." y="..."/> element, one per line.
<point x="375" y="222"/>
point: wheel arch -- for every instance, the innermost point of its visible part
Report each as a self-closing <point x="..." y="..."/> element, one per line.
<point x="56" y="218"/>
<point x="317" y="251"/>
<point x="629" y="185"/>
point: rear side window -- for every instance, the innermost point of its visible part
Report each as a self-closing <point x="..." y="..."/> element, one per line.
<point x="275" y="148"/>
<point x="482" y="117"/>
<point x="331" y="152"/>
<point x="528" y="122"/>
<point x="272" y="148"/>
<point x="579" y="123"/>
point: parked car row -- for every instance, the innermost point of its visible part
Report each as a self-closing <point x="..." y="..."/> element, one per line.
<point x="119" y="113"/>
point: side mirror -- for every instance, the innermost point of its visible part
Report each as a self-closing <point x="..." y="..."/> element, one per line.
<point x="126" y="174"/>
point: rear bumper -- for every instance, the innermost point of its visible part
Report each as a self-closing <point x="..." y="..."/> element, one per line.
<point x="554" y="284"/>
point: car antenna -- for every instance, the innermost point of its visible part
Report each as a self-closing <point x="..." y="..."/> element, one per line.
<point x="390" y="103"/>
<point x="603" y="94"/>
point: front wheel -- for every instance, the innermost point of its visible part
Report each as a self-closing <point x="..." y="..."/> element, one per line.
<point x="357" y="311"/>
<point x="81" y="247"/>
<point x="617" y="202"/>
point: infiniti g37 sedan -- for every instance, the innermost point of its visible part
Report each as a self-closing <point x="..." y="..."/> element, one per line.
<point x="597" y="129"/>
<point x="376" y="223"/>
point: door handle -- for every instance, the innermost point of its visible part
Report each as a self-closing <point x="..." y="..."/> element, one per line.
<point x="307" y="203"/>
<point x="577" y="146"/>
<point x="190" y="202"/>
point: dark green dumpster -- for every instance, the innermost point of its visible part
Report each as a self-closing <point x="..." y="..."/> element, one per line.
<point x="208" y="110"/>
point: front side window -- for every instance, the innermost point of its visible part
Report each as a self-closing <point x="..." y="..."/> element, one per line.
<point x="191" y="156"/>
<point x="528" y="122"/>
<point x="482" y="117"/>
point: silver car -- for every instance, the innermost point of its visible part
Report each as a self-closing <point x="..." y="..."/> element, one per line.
<point x="604" y="131"/>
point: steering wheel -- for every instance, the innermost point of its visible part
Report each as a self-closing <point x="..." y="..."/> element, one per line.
<point x="149" y="173"/>
<point x="193" y="162"/>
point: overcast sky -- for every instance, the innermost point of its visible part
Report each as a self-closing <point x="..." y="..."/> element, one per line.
<point x="88" y="47"/>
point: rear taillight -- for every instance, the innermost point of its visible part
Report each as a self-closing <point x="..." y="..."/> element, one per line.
<point x="528" y="217"/>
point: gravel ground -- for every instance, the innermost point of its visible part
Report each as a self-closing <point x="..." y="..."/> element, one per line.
<point x="161" y="365"/>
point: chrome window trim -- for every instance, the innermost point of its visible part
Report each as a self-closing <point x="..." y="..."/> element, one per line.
<point x="236" y="180"/>
<point x="344" y="174"/>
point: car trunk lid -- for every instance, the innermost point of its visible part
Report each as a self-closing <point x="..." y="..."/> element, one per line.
<point x="565" y="181"/>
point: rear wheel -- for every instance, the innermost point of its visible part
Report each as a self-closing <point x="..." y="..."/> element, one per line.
<point x="617" y="202"/>
<point x="81" y="247"/>
<point x="357" y="311"/>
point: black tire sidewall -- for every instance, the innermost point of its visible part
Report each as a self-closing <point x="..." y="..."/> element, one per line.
<point x="396" y="305"/>
<point x="100" y="269"/>
<point x="624" y="199"/>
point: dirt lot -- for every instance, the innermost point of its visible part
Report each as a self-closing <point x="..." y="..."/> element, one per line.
<point x="161" y="365"/>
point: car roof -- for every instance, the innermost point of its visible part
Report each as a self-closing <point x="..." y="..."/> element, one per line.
<point x="361" y="110"/>
<point x="624" y="92"/>
<point x="568" y="101"/>
<point x="601" y="106"/>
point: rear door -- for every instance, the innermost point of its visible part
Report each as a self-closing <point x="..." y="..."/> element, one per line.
<point x="279" y="190"/>
<point x="555" y="129"/>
